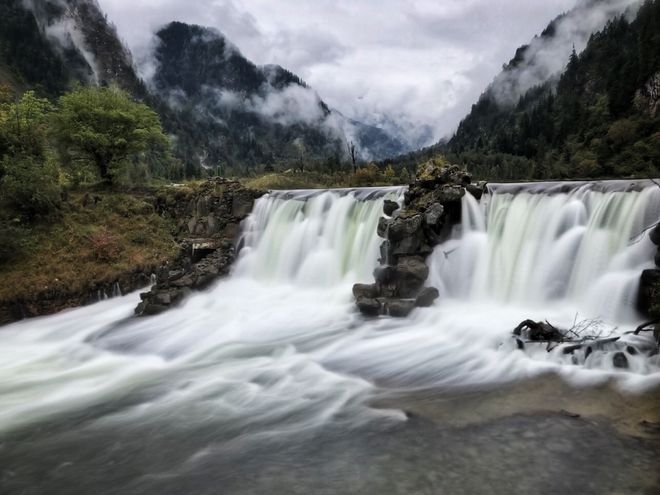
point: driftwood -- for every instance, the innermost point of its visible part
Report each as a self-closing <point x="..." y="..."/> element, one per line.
<point x="642" y="327"/>
<point x="587" y="333"/>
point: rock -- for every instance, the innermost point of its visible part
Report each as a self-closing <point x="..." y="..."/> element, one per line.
<point x="654" y="235"/>
<point x="241" y="205"/>
<point x="368" y="306"/>
<point x="162" y="299"/>
<point x="385" y="252"/>
<point x="619" y="360"/>
<point x="648" y="294"/>
<point x="390" y="207"/>
<point x="433" y="216"/>
<point x="368" y="291"/>
<point x="404" y="226"/>
<point x="657" y="258"/>
<point x="384" y="274"/>
<point x="411" y="272"/>
<point x="450" y="193"/>
<point x="153" y="309"/>
<point x="399" y="307"/>
<point x="475" y="190"/>
<point x="538" y="331"/>
<point x="383" y="224"/>
<point x="426" y="297"/>
<point x="412" y="267"/>
<point x="411" y="245"/>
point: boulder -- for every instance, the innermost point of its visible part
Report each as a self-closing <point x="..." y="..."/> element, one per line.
<point x="389" y="207"/>
<point x="383" y="225"/>
<point x="619" y="360"/>
<point x="411" y="272"/>
<point x="475" y="190"/>
<point x="368" y="306"/>
<point x="404" y="226"/>
<point x="434" y="216"/>
<point x="648" y="294"/>
<point x="399" y="307"/>
<point x="384" y="274"/>
<point x="426" y="297"/>
<point x="654" y="235"/>
<point x="369" y="291"/>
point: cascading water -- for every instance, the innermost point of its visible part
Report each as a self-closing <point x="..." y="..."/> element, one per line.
<point x="539" y="247"/>
<point x="276" y="353"/>
<point x="313" y="238"/>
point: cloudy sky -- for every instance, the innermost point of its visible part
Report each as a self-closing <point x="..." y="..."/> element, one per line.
<point x="414" y="63"/>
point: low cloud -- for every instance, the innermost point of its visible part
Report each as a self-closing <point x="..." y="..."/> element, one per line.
<point x="546" y="57"/>
<point x="415" y="67"/>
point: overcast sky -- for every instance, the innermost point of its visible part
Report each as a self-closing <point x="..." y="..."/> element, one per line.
<point x="416" y="62"/>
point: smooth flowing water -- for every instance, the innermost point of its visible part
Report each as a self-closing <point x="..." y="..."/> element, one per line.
<point x="270" y="382"/>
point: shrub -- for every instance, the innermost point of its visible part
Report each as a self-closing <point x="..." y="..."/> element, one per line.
<point x="29" y="188"/>
<point x="105" y="245"/>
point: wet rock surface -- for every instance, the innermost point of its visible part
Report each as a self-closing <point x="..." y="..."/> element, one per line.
<point x="208" y="226"/>
<point x="432" y="205"/>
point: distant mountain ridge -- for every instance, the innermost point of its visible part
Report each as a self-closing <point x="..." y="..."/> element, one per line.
<point x="224" y="111"/>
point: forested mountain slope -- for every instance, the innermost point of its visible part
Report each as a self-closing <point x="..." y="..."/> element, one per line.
<point x="598" y="118"/>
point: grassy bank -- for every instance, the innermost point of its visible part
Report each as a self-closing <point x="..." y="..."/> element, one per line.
<point x="92" y="238"/>
<point x="369" y="175"/>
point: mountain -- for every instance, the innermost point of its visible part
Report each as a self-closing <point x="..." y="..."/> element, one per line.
<point x="559" y="112"/>
<point x="51" y="44"/>
<point x="246" y="115"/>
<point x="224" y="112"/>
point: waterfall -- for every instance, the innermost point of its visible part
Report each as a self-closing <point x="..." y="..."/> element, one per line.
<point x="313" y="238"/>
<point x="279" y="347"/>
<point x="539" y="245"/>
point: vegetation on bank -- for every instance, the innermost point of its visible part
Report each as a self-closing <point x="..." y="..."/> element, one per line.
<point x="94" y="238"/>
<point x="368" y="175"/>
<point x="56" y="235"/>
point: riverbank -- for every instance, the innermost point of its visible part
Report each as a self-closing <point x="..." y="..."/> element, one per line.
<point x="102" y="243"/>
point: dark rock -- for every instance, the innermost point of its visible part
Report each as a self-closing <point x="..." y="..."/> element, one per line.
<point x="368" y="291"/>
<point x="538" y="331"/>
<point x="657" y="258"/>
<point x="368" y="306"/>
<point x="648" y="293"/>
<point x="385" y="252"/>
<point x="153" y="309"/>
<point x="654" y="235"/>
<point x="426" y="297"/>
<point x="404" y="226"/>
<point x="162" y="299"/>
<point x="411" y="272"/>
<point x="631" y="350"/>
<point x="399" y="307"/>
<point x="475" y="190"/>
<point x="619" y="360"/>
<point x="383" y="224"/>
<point x="433" y="216"/>
<point x="412" y="267"/>
<point x="390" y="207"/>
<point x="384" y="274"/>
<point x="450" y="193"/>
<point x="411" y="245"/>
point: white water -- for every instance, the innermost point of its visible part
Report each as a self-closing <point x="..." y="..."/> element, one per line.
<point x="278" y="347"/>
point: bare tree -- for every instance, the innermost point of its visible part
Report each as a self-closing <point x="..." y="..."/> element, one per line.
<point x="351" y="153"/>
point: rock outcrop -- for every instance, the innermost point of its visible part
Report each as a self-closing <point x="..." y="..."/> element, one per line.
<point x="648" y="296"/>
<point x="431" y="206"/>
<point x="208" y="224"/>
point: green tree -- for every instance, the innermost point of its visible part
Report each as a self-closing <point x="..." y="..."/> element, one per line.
<point x="23" y="125"/>
<point x="106" y="127"/>
<point x="29" y="187"/>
